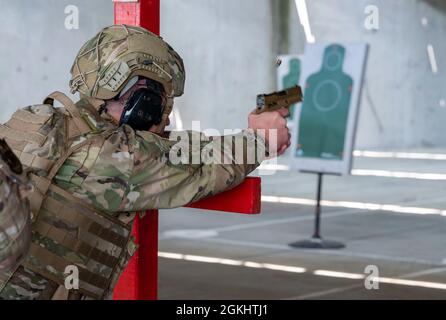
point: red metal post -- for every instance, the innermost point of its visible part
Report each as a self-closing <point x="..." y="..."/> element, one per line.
<point x="143" y="13"/>
<point x="139" y="281"/>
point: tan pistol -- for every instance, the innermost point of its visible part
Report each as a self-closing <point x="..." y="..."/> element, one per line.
<point x="276" y="100"/>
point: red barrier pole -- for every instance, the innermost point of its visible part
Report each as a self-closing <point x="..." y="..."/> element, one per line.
<point x="139" y="281"/>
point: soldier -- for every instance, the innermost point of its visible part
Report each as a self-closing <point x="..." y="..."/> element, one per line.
<point x="98" y="161"/>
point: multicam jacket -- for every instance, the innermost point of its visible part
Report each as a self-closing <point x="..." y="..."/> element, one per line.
<point x="90" y="174"/>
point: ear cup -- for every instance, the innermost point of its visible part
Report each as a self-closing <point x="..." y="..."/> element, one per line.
<point x="143" y="109"/>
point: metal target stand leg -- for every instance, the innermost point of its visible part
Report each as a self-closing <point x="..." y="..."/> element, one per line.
<point x="316" y="241"/>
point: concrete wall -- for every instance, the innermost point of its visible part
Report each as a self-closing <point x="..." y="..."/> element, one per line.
<point x="403" y="102"/>
<point x="36" y="49"/>
<point x="229" y="48"/>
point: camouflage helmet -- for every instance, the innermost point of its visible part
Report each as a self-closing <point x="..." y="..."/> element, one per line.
<point x="15" y="219"/>
<point x="106" y="63"/>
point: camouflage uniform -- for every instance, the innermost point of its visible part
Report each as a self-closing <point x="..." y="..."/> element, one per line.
<point x="15" y="222"/>
<point x="116" y="171"/>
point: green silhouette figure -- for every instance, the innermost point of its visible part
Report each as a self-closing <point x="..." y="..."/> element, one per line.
<point x="324" y="114"/>
<point x="292" y="79"/>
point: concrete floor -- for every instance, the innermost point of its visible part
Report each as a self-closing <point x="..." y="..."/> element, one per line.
<point x="408" y="249"/>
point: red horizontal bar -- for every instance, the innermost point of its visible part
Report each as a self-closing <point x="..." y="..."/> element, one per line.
<point x="244" y="198"/>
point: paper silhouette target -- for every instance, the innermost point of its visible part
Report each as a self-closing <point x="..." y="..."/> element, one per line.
<point x="291" y="77"/>
<point x="325" y="123"/>
<point x="288" y="75"/>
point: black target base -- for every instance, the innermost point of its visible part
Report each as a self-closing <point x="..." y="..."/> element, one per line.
<point x="317" y="243"/>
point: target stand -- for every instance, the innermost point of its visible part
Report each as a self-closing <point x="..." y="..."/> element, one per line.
<point x="316" y="241"/>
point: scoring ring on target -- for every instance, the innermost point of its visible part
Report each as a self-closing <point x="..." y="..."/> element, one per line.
<point x="316" y="95"/>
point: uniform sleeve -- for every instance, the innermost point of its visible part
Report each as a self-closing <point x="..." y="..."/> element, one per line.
<point x="189" y="167"/>
<point x="138" y="170"/>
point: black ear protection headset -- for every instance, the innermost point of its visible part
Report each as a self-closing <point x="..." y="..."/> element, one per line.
<point x="145" y="107"/>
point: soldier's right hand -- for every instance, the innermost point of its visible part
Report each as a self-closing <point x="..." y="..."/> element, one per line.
<point x="272" y="120"/>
